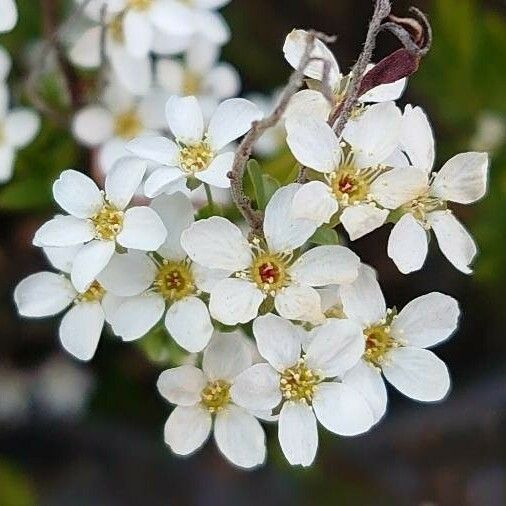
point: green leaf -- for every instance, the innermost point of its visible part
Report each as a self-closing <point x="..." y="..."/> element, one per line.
<point x="264" y="185"/>
<point x="27" y="194"/>
<point x="324" y="236"/>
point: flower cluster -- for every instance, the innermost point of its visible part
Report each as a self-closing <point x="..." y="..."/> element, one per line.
<point x="280" y="325"/>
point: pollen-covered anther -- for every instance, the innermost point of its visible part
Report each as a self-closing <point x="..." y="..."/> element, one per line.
<point x="379" y="341"/>
<point x="108" y="222"/>
<point x="95" y="293"/>
<point x="215" y="396"/>
<point x="298" y="383"/>
<point x="174" y="280"/>
<point x="195" y="158"/>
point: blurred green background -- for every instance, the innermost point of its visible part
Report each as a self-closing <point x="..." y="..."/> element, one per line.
<point x="452" y="453"/>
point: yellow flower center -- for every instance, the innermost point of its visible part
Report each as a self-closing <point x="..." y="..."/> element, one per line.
<point x="174" y="280"/>
<point x="195" y="158"/>
<point x="127" y="125"/>
<point x="139" y="5"/>
<point x="423" y="205"/>
<point x="116" y="29"/>
<point x="108" y="222"/>
<point x="298" y="383"/>
<point x="190" y="84"/>
<point x="378" y="342"/>
<point x="216" y="395"/>
<point x="269" y="272"/>
<point x="95" y="293"/>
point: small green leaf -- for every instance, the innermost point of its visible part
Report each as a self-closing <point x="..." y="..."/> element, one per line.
<point x="264" y="185"/>
<point x="324" y="236"/>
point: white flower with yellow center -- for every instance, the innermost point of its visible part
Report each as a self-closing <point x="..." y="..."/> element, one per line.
<point x="197" y="153"/>
<point x="18" y="127"/>
<point x="311" y="102"/>
<point x="202" y="396"/>
<point x="268" y="269"/>
<point x="49" y="293"/>
<point x="8" y="15"/>
<point x="395" y="344"/>
<point x="100" y="220"/>
<point x="462" y="179"/>
<point x="305" y="387"/>
<point x="352" y="169"/>
<point x="164" y="283"/>
<point x="117" y="119"/>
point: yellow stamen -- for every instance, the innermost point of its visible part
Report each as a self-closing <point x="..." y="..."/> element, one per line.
<point x="108" y="222"/>
<point x="127" y="125"/>
<point x="298" y="383"/>
<point x="215" y="396"/>
<point x="190" y="84"/>
<point x="95" y="293"/>
<point x="174" y="280"/>
<point x="195" y="158"/>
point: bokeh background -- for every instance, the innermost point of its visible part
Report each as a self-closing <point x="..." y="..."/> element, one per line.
<point x="92" y="434"/>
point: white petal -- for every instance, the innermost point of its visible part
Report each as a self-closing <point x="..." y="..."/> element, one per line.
<point x="367" y="380"/>
<point x="110" y="304"/>
<point x="8" y="16"/>
<point x="315" y="201"/>
<point x="297" y="432"/>
<point x="138" y="33"/>
<point x="257" y="388"/>
<point x="172" y="18"/>
<point x="294" y="49"/>
<point x="80" y="329"/>
<point x="342" y="409"/>
<point x="417" y="373"/>
<point x="216" y="173"/>
<point x="187" y="429"/>
<point x="128" y="274"/>
<point x="176" y="213"/>
<point x="277" y="340"/>
<point x="454" y="240"/>
<point x="212" y="26"/>
<point x="185" y="119"/>
<point x="398" y="186"/>
<point x="21" y="126"/>
<point x="308" y="103"/>
<point x="164" y="180"/>
<point x="297" y="302"/>
<point x="182" y="385"/>
<point x="142" y="229"/>
<point x="211" y="4"/>
<point x="313" y="143"/>
<point x="374" y="134"/>
<point x="218" y="244"/>
<point x="5" y="64"/>
<point x="170" y="75"/>
<point x="417" y="138"/>
<point x="284" y="232"/>
<point x="136" y="316"/>
<point x="407" y="244"/>
<point x="7" y="155"/>
<point x="462" y="179"/>
<point x="90" y="262"/>
<point x="325" y="265"/>
<point x="335" y="347"/>
<point x="222" y="81"/>
<point x="43" y="294"/>
<point x="231" y="120"/>
<point x="361" y="219"/>
<point x="427" y="320"/>
<point x="86" y="49"/>
<point x="123" y="181"/>
<point x="206" y="279"/>
<point x="234" y="301"/>
<point x="225" y="357"/>
<point x="64" y="231"/>
<point x="385" y="92"/>
<point x="93" y="125"/>
<point x="240" y="437"/>
<point x="156" y="149"/>
<point x="62" y="258"/>
<point x="189" y="324"/>
<point x="77" y="194"/>
<point x="133" y="73"/>
<point x="110" y="152"/>
<point x="363" y="300"/>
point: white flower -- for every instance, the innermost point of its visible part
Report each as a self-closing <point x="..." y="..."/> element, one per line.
<point x="18" y="127"/>
<point x="99" y="220"/>
<point x="5" y="63"/>
<point x="268" y="269"/>
<point x="395" y="344"/>
<point x="196" y="152"/>
<point x="307" y="387"/>
<point x="201" y="395"/>
<point x="49" y="293"/>
<point x="312" y="102"/>
<point x="462" y="179"/>
<point x="351" y="167"/>
<point x="8" y="15"/>
<point x="117" y="119"/>
<point x="166" y="283"/>
<point x="199" y="74"/>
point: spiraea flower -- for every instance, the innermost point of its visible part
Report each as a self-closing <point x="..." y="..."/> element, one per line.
<point x="99" y="221"/>
<point x="204" y="398"/>
<point x="305" y="386"/>
<point x="18" y="127"/>
<point x="165" y="282"/>
<point x="311" y="101"/>
<point x="197" y="152"/>
<point x="396" y="344"/>
<point x="269" y="270"/>
<point x="8" y="15"/>
<point x="353" y="169"/>
<point x="462" y="179"/>
<point x="49" y="293"/>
